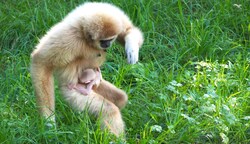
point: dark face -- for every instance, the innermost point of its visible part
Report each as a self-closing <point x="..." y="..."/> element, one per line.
<point x="106" y="43"/>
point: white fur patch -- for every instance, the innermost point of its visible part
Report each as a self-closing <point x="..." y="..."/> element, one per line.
<point x="133" y="42"/>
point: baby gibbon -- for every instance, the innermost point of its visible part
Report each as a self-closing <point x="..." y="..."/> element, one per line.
<point x="88" y="79"/>
<point x="73" y="50"/>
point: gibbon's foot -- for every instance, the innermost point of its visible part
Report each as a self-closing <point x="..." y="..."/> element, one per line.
<point x="121" y="139"/>
<point x="50" y="124"/>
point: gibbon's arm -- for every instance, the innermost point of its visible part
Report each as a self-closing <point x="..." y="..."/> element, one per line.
<point x="43" y="83"/>
<point x="132" y="39"/>
<point x="47" y="56"/>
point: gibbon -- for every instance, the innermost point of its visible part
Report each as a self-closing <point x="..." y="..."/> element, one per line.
<point x="73" y="50"/>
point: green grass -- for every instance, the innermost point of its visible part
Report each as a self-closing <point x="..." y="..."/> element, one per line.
<point x="192" y="84"/>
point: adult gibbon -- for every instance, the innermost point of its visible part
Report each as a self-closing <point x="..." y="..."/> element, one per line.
<point x="74" y="49"/>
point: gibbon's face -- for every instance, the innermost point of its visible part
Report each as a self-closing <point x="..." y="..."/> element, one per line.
<point x="106" y="43"/>
<point x="103" y="29"/>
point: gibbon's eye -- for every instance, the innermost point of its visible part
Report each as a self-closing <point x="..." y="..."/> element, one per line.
<point x="105" y="43"/>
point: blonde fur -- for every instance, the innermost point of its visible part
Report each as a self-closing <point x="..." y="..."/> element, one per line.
<point x="73" y="45"/>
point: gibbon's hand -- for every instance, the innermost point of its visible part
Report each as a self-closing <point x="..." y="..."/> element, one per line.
<point x="133" y="42"/>
<point x="132" y="51"/>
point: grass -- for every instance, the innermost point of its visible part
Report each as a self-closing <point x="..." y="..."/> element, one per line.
<point x="192" y="84"/>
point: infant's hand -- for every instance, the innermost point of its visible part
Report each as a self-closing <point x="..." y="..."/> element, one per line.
<point x="71" y="86"/>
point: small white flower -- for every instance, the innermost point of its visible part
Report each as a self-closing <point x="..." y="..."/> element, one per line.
<point x="171" y="128"/>
<point x="233" y="101"/>
<point x="225" y="107"/>
<point x="190" y="119"/>
<point x="174" y="83"/>
<point x="205" y="64"/>
<point x="156" y="128"/>
<point x="188" y="98"/>
<point x="224" y="128"/>
<point x="152" y="141"/>
<point x="206" y="96"/>
<point x="172" y="88"/>
<point x="225" y="139"/>
<point x="209" y="108"/>
<point x="246" y="118"/>
<point x="224" y="66"/>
